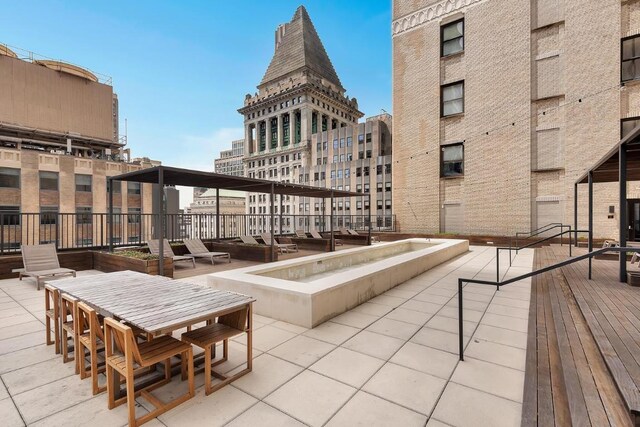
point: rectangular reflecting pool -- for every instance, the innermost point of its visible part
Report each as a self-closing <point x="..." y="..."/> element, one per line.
<point x="310" y="290"/>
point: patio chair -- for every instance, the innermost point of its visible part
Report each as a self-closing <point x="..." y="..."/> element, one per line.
<point x="41" y="261"/>
<point x="282" y="247"/>
<point x="227" y="326"/>
<point x="91" y="338"/>
<point x="374" y="239"/>
<point x="52" y="314"/>
<point x="317" y="235"/>
<point x="301" y="234"/>
<point x="125" y="357"/>
<point x="68" y="311"/>
<point x="249" y="240"/>
<point x="154" y="248"/>
<point x="199" y="250"/>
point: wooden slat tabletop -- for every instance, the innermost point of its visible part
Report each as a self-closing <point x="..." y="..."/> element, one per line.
<point x="155" y="304"/>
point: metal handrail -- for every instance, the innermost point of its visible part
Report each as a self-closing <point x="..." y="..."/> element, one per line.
<point x="499" y="283"/>
<point x="530" y="233"/>
<point x="539" y="231"/>
<point x="537" y="242"/>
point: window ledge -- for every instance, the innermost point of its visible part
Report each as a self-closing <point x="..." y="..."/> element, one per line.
<point x="548" y="169"/>
<point x="453" y="55"/>
<point x="453" y="116"/>
<point x="452" y="177"/>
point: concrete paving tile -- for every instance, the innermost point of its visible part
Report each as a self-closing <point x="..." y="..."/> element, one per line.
<point x="463" y="406"/>
<point x="268" y="374"/>
<point x="289" y="327"/>
<point x="411" y="389"/>
<point x="426" y="359"/>
<point x="264" y="415"/>
<point x="17" y="319"/>
<point x="393" y="328"/>
<point x="400" y="293"/>
<point x="266" y="337"/>
<point x="452" y="312"/>
<point x="491" y="378"/>
<point x="502" y="336"/>
<point x="435" y="423"/>
<point x="347" y="366"/>
<point x="436" y="299"/>
<point x="438" y="291"/>
<point x="499" y="354"/>
<point x="237" y="356"/>
<point x="28" y="356"/>
<point x="373" y="309"/>
<point x="422" y="306"/>
<point x="332" y="332"/>
<point x="410" y="316"/>
<point x="365" y="409"/>
<point x="373" y="344"/>
<point x="9" y="414"/>
<point x="506" y="322"/>
<point x="450" y="324"/>
<point x="24" y="328"/>
<point x="510" y="302"/>
<point x="469" y="304"/>
<point x="45" y="400"/>
<point x="302" y="350"/>
<point x="435" y="338"/>
<point x="311" y="398"/>
<point x="387" y="300"/>
<point x="21" y="342"/>
<point x="520" y="313"/>
<point x="355" y="319"/>
<point x="3" y="391"/>
<point x="217" y="409"/>
<point x="38" y="374"/>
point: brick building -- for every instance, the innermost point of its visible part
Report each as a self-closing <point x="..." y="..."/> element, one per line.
<point x="58" y="143"/>
<point x="500" y="105"/>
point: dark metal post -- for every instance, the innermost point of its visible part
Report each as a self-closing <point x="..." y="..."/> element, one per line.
<point x="281" y="209"/>
<point x="218" y="214"/>
<point x="333" y="242"/>
<point x="575" y="214"/>
<point x="460" y="322"/>
<point x="160" y="222"/>
<point x="369" y="234"/>
<point x="272" y="224"/>
<point x="590" y="243"/>
<point x="570" y="244"/>
<point x="622" y="172"/>
<point x="498" y="266"/>
<point x="110" y="215"/>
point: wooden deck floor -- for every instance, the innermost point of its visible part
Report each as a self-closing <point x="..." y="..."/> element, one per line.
<point x="574" y="373"/>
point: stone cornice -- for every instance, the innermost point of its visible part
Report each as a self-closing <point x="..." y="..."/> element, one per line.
<point x="428" y="14"/>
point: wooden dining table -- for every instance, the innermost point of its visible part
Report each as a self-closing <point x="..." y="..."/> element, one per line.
<point x="157" y="305"/>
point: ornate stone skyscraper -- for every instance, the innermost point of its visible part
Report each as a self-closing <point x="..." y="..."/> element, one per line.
<point x="299" y="95"/>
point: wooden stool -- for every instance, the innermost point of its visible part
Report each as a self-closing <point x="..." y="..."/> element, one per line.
<point x="68" y="313"/>
<point x="91" y="338"/>
<point x="226" y="327"/>
<point x="124" y="356"/>
<point x="52" y="313"/>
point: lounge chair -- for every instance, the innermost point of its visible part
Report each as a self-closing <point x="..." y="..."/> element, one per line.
<point x="199" y="250"/>
<point x="317" y="235"/>
<point x="282" y="247"/>
<point x="301" y="234"/>
<point x="41" y="261"/>
<point x="374" y="239"/>
<point x="154" y="248"/>
<point x="249" y="240"/>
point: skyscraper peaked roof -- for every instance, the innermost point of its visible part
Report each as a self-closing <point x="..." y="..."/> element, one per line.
<point x="300" y="47"/>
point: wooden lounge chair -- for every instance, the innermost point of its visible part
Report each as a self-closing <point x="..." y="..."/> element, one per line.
<point x="199" y="250"/>
<point x="125" y="357"/>
<point x="374" y="239"/>
<point x="282" y="247"/>
<point x="154" y="248"/>
<point x="227" y="326"/>
<point x="301" y="234"/>
<point x="41" y="261"/>
<point x="317" y="235"/>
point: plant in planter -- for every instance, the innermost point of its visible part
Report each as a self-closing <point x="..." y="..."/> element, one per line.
<point x="133" y="260"/>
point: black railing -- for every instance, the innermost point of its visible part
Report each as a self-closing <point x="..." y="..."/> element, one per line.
<point x="499" y="283"/>
<point x="510" y="248"/>
<point x="95" y="230"/>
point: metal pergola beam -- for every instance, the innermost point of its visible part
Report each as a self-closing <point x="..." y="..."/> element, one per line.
<point x="622" y="181"/>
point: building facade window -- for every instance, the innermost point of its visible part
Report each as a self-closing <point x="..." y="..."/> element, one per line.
<point x="133" y="187"/>
<point x="9" y="178"/>
<point x="49" y="181"/>
<point x="627" y="125"/>
<point x="83" y="215"/>
<point x="10" y="215"/>
<point x="452" y="38"/>
<point x="83" y="183"/>
<point x="452" y="99"/>
<point x="630" y="58"/>
<point x="452" y="160"/>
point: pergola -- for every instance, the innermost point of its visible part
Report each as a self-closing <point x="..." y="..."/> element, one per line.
<point x="620" y="164"/>
<point x="165" y="175"/>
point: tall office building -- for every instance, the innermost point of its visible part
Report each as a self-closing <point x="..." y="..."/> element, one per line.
<point x="299" y="104"/>
<point x="500" y="105"/>
<point x="230" y="161"/>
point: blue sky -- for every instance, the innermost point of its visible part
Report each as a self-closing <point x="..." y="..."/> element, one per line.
<point x="181" y="69"/>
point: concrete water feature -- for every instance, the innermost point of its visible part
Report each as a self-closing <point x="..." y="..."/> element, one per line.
<point x="308" y="291"/>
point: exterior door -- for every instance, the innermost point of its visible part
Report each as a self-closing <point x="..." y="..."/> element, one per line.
<point x="633" y="216"/>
